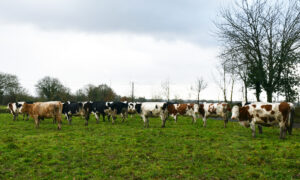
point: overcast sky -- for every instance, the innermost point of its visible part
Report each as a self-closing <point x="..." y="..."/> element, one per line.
<point x="114" y="42"/>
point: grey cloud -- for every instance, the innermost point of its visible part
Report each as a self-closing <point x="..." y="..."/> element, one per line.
<point x="164" y="19"/>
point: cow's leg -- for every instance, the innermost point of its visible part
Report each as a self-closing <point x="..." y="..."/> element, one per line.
<point x="145" y="119"/>
<point x="70" y="120"/>
<point x="36" y="120"/>
<point x="259" y="129"/>
<point x="27" y="117"/>
<point x="97" y="117"/>
<point x="59" y="122"/>
<point x="123" y="117"/>
<point x="163" y="119"/>
<point x="225" y="121"/>
<point x="67" y="117"/>
<point x="194" y="118"/>
<point x="204" y="121"/>
<point x="252" y="126"/>
<point x="103" y="117"/>
<point x="175" y="117"/>
<point x="15" y="116"/>
<point x="282" y="130"/>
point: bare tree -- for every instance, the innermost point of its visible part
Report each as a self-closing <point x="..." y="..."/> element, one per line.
<point x="265" y="35"/>
<point x="221" y="80"/>
<point x="166" y="89"/>
<point x="199" y="86"/>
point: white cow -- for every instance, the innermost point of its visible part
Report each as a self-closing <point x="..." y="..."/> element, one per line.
<point x="152" y="109"/>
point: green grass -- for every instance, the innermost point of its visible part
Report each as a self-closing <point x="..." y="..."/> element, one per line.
<point x="128" y="151"/>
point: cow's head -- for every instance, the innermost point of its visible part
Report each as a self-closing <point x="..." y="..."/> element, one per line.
<point x="87" y="109"/>
<point x="131" y="107"/>
<point x="235" y="112"/>
<point x="138" y="107"/>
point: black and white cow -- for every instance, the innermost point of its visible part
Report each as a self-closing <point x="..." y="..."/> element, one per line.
<point x="152" y="109"/>
<point x="118" y="108"/>
<point x="72" y="108"/>
<point x="15" y="109"/>
<point x="97" y="108"/>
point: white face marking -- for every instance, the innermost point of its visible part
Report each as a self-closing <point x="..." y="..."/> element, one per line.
<point x="235" y="112"/>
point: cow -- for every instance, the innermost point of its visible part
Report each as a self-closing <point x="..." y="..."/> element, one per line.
<point x="131" y="107"/>
<point x="265" y="114"/>
<point x="214" y="109"/>
<point x="118" y="108"/>
<point x="96" y="108"/>
<point x="152" y="109"/>
<point x="72" y="108"/>
<point x="183" y="109"/>
<point x="41" y="110"/>
<point x="14" y="109"/>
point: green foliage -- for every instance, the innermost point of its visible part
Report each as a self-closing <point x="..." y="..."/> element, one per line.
<point x="52" y="89"/>
<point x="100" y="93"/>
<point x="129" y="151"/>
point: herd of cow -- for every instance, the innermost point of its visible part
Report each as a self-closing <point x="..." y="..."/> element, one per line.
<point x="248" y="115"/>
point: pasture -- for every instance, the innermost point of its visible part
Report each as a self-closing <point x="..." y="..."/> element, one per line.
<point x="127" y="150"/>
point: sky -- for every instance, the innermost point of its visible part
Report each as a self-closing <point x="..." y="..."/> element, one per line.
<point x="114" y="42"/>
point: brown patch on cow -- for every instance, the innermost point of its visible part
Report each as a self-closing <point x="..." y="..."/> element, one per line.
<point x="171" y="109"/>
<point x="257" y="115"/>
<point x="284" y="108"/>
<point x="254" y="105"/>
<point x="224" y="105"/>
<point x="212" y="109"/>
<point x="272" y="112"/>
<point x="10" y="106"/>
<point x="182" y="109"/>
<point x="201" y="109"/>
<point x="267" y="107"/>
<point x="244" y="114"/>
<point x="191" y="106"/>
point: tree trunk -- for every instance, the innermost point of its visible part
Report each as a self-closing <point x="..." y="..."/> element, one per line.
<point x="231" y="93"/>
<point x="246" y="93"/>
<point x="269" y="95"/>
<point x="198" y="99"/>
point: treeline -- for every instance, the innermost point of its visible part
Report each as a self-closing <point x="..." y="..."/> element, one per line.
<point x="51" y="89"/>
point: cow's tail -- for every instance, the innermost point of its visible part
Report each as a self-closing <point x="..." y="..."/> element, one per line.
<point x="291" y="120"/>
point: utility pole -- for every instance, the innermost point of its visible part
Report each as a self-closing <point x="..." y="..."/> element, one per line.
<point x="132" y="91"/>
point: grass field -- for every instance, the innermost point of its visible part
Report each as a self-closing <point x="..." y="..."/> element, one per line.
<point x="127" y="150"/>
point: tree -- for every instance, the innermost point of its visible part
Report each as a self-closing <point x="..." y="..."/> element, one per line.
<point x="222" y="81"/>
<point x="199" y="85"/>
<point x="52" y="89"/>
<point x="166" y="89"/>
<point x="80" y="96"/>
<point x="266" y="35"/>
<point x="100" y="93"/>
<point x="10" y="89"/>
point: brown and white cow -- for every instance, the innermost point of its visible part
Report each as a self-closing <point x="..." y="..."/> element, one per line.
<point x="265" y="114"/>
<point x="41" y="110"/>
<point x="183" y="109"/>
<point x="215" y="110"/>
